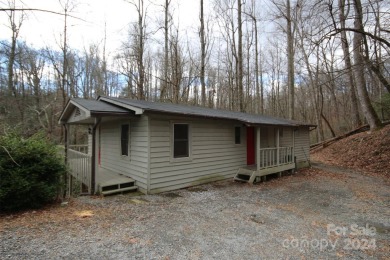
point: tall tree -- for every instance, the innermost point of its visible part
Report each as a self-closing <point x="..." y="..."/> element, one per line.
<point x="139" y="44"/>
<point x="258" y="76"/>
<point x="240" y="61"/>
<point x="358" y="47"/>
<point x="290" y="60"/>
<point x="202" y="54"/>
<point x="286" y="11"/>
<point x="165" y="82"/>
<point x="348" y="65"/>
<point x="15" y="24"/>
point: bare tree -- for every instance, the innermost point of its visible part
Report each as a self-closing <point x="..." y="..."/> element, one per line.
<point x="202" y="54"/>
<point x="290" y="59"/>
<point x="240" y="61"/>
<point x="139" y="44"/>
<point x="165" y="82"/>
<point x="259" y="88"/>
<point x="348" y="65"/>
<point x="285" y="10"/>
<point x="368" y="110"/>
<point x="15" y="23"/>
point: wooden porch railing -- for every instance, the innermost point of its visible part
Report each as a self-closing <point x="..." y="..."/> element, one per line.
<point x="80" y="165"/>
<point x="269" y="157"/>
<point x="82" y="148"/>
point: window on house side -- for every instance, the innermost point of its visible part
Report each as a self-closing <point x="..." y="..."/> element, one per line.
<point x="180" y="141"/>
<point x="125" y="140"/>
<point x="237" y="135"/>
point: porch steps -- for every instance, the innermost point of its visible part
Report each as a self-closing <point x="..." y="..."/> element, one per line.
<point x="117" y="185"/>
<point x="244" y="175"/>
<point x="251" y="175"/>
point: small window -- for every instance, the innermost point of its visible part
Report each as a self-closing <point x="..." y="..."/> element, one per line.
<point x="237" y="135"/>
<point x="125" y="140"/>
<point x="180" y="141"/>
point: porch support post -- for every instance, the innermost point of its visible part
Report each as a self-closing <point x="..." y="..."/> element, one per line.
<point x="93" y="156"/>
<point x="258" y="148"/>
<point x="67" y="177"/>
<point x="293" y="147"/>
<point x="66" y="145"/>
<point x="277" y="147"/>
<point x="71" y="180"/>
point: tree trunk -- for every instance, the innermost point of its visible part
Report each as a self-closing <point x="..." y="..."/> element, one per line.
<point x="202" y="55"/>
<point x="141" y="69"/>
<point x="368" y="110"/>
<point x="290" y="61"/>
<point x="164" y="85"/>
<point x="348" y="66"/>
<point x="240" y="60"/>
<point x="64" y="62"/>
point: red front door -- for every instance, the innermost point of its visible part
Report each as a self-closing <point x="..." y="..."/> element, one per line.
<point x="250" y="146"/>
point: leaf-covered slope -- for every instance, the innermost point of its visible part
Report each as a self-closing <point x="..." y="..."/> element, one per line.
<point x="367" y="151"/>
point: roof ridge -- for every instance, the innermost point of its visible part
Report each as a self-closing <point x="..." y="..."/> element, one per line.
<point x="192" y="110"/>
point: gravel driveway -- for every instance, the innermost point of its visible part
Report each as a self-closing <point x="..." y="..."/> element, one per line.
<point x="313" y="214"/>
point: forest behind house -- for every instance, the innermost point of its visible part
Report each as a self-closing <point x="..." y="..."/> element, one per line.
<point x="326" y="62"/>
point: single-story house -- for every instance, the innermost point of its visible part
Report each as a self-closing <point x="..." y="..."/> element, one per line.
<point x="156" y="147"/>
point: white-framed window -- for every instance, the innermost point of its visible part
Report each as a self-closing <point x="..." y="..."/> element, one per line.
<point x="181" y="140"/>
<point x="125" y="139"/>
<point x="237" y="135"/>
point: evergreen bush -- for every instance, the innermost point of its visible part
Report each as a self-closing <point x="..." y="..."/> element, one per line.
<point x="30" y="172"/>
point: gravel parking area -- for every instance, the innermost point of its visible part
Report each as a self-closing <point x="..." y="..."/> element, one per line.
<point x="318" y="213"/>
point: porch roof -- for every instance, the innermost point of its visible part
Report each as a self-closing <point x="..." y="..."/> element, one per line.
<point x="140" y="106"/>
<point x="91" y="108"/>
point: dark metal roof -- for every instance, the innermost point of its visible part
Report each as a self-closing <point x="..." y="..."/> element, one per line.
<point x="202" y="112"/>
<point x="95" y="106"/>
<point x="91" y="107"/>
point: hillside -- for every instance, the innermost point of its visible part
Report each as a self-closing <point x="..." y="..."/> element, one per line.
<point x="366" y="151"/>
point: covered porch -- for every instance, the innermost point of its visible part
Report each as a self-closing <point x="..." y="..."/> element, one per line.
<point x="270" y="150"/>
<point x="79" y="162"/>
<point x="82" y="155"/>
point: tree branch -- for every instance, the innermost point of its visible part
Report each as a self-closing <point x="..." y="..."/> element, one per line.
<point x="39" y="10"/>
<point x="5" y="149"/>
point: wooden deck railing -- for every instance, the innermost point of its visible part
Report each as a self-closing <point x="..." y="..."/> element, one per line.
<point x="82" y="148"/>
<point x="269" y="157"/>
<point x="80" y="166"/>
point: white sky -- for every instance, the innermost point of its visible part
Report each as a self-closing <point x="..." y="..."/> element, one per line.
<point x="43" y="29"/>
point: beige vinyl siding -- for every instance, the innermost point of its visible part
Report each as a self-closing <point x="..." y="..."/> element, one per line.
<point x="302" y="144"/>
<point x="213" y="153"/>
<point x="287" y="139"/>
<point x="136" y="164"/>
<point x="267" y="137"/>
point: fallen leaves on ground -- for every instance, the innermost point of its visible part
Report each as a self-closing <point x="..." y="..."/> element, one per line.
<point x="55" y="214"/>
<point x="368" y="152"/>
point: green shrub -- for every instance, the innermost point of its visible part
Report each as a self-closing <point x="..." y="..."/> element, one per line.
<point x="30" y="172"/>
